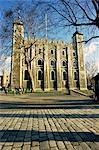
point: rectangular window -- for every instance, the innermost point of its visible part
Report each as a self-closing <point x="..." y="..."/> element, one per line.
<point x="26" y="75"/>
<point x="52" y="52"/>
<point x="75" y="75"/>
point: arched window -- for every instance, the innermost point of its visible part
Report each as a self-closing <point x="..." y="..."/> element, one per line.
<point x="73" y="53"/>
<point x="75" y="76"/>
<point x="64" y="75"/>
<point x="75" y="64"/>
<point x="63" y="52"/>
<point x="40" y="77"/>
<point x="39" y="62"/>
<point x="52" y="75"/>
<point x="52" y="63"/>
<point x="64" y="63"/>
<point x="51" y="51"/>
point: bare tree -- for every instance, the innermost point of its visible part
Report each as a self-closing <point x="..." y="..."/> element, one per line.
<point x="78" y="13"/>
<point x="91" y="71"/>
<point x="33" y="23"/>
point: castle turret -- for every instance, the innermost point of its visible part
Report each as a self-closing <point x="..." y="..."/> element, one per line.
<point x="17" y="47"/>
<point x="79" y="74"/>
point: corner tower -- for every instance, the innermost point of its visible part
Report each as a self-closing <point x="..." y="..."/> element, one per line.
<point x="79" y="74"/>
<point x="17" y="47"/>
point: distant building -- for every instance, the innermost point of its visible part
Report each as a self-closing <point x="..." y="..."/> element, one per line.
<point x="6" y="79"/>
<point x="1" y="80"/>
<point x="56" y="65"/>
<point x="96" y="79"/>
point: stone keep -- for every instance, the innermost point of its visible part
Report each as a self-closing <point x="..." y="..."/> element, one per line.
<point x="55" y="65"/>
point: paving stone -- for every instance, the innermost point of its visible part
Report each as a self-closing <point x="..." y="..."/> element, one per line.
<point x="26" y="147"/>
<point x="93" y="146"/>
<point x="1" y="147"/>
<point x="8" y="143"/>
<point x="7" y="148"/>
<point x="85" y="146"/>
<point x="44" y="145"/>
<point x="54" y="148"/>
<point x="78" y="148"/>
<point x="35" y="148"/>
<point x="35" y="144"/>
<point x="18" y="148"/>
<point x="17" y="144"/>
<point x="60" y="145"/>
<point x="69" y="147"/>
<point x="52" y="144"/>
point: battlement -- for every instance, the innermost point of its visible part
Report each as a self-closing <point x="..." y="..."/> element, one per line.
<point x="45" y="41"/>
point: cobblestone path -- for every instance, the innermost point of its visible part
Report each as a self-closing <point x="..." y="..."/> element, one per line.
<point x="50" y="128"/>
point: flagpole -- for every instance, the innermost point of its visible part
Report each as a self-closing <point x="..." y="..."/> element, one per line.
<point x="46" y="25"/>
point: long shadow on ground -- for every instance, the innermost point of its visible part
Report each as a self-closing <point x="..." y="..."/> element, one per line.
<point x="29" y="136"/>
<point x="49" y="115"/>
<point x="65" y="104"/>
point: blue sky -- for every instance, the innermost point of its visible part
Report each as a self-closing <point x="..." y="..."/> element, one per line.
<point x="59" y="34"/>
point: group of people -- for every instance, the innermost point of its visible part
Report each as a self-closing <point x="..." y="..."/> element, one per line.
<point x="14" y="91"/>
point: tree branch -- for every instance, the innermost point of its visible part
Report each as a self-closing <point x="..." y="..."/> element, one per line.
<point x="86" y="41"/>
<point x="84" y="11"/>
<point x="60" y="13"/>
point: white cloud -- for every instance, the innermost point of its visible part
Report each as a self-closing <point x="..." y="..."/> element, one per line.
<point x="97" y="65"/>
<point x="8" y="63"/>
<point x="5" y="63"/>
<point x="92" y="53"/>
<point x="91" y="48"/>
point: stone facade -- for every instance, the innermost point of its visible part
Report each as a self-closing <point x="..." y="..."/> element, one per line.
<point x="1" y="80"/>
<point x="55" y="66"/>
<point x="5" y="79"/>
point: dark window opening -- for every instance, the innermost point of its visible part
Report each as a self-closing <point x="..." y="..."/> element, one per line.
<point x="64" y="63"/>
<point x="52" y="75"/>
<point x="40" y="75"/>
<point x="26" y="76"/>
<point x="64" y="75"/>
<point x="39" y="62"/>
<point x="73" y="53"/>
<point x="75" y="76"/>
<point x="51" y="51"/>
<point x="63" y="53"/>
<point x="75" y="64"/>
<point x="52" y="63"/>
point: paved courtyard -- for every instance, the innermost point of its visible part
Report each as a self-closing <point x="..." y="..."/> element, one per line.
<point x="28" y="122"/>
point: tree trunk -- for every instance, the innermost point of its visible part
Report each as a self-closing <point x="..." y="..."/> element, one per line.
<point x="32" y="79"/>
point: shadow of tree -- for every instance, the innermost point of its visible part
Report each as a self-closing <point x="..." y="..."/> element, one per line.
<point x="29" y="136"/>
<point x="65" y="104"/>
<point x="50" y="115"/>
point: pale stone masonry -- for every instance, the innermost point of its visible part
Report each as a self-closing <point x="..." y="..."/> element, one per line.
<point x="56" y="65"/>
